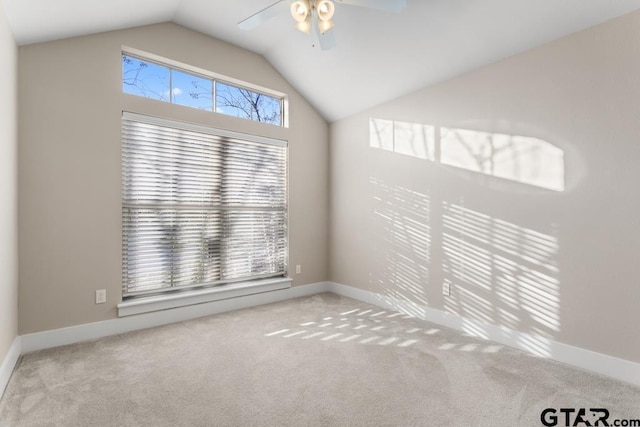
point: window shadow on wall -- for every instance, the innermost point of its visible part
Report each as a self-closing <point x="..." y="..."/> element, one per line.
<point x="522" y="159"/>
<point x="500" y="272"/>
<point x="402" y="239"/>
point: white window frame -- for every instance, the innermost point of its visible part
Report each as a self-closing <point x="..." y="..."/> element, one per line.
<point x="201" y="72"/>
<point x="190" y="296"/>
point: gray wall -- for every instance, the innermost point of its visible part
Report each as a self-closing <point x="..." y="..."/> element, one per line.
<point x="517" y="184"/>
<point x="8" y="190"/>
<point x="70" y="104"/>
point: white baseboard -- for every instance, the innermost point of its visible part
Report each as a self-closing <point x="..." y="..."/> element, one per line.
<point x="90" y="331"/>
<point x="603" y="364"/>
<point x="9" y="362"/>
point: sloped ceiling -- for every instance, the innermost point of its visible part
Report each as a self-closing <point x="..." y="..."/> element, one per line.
<point x="379" y="55"/>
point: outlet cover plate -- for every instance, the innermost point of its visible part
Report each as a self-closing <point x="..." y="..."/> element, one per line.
<point x="101" y="296"/>
<point x="446" y="289"/>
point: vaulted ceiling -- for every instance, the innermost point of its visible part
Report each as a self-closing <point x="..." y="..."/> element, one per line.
<point x="379" y="55"/>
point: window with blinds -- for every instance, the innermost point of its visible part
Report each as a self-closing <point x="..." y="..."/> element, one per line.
<point x="201" y="207"/>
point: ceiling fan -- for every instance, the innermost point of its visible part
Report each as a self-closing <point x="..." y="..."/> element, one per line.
<point x="315" y="15"/>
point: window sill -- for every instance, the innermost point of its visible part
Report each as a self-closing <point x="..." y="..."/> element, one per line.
<point x="200" y="296"/>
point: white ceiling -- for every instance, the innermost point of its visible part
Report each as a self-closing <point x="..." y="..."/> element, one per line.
<point x="379" y="55"/>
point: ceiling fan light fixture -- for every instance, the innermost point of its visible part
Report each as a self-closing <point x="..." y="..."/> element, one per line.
<point x="325" y="9"/>
<point x="300" y="10"/>
<point x="315" y="16"/>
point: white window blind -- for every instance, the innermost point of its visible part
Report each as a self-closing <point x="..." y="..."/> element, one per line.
<point x="200" y="207"/>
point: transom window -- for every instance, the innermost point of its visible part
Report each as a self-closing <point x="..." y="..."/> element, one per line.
<point x="149" y="79"/>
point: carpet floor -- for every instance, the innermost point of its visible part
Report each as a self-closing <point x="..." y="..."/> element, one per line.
<point x="323" y="360"/>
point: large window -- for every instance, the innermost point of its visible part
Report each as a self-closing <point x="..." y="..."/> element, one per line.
<point x="201" y="207"/>
<point x="153" y="80"/>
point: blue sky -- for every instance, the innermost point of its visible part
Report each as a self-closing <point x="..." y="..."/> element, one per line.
<point x="155" y="81"/>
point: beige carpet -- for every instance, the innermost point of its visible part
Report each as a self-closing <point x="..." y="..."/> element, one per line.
<point x="318" y="361"/>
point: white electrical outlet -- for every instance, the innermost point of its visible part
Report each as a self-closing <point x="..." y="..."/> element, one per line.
<point x="298" y="269"/>
<point x="101" y="296"/>
<point x="446" y="289"/>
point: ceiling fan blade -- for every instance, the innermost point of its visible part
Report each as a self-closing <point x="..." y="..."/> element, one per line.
<point x="327" y="40"/>
<point x="264" y="15"/>
<point x="386" y="5"/>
